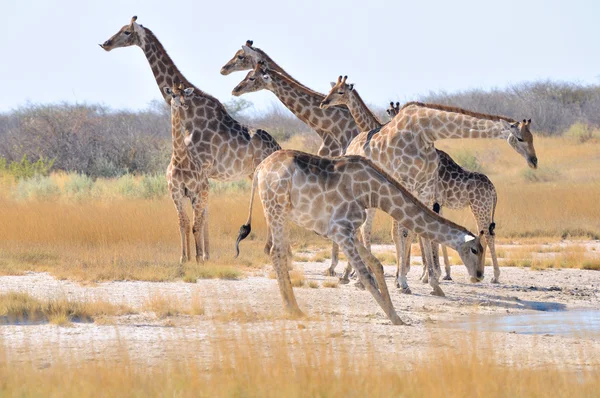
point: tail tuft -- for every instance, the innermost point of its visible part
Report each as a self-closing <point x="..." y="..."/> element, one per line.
<point x="244" y="232"/>
<point x="436" y="207"/>
<point x="491" y="229"/>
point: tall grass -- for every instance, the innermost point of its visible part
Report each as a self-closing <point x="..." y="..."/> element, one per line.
<point x="308" y="364"/>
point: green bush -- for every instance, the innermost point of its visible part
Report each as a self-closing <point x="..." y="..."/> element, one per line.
<point x="580" y="132"/>
<point x="469" y="161"/>
<point x="127" y="186"/>
<point x="153" y="186"/>
<point x="79" y="186"/>
<point x="24" y="168"/>
<point x="546" y="174"/>
<point x="38" y="187"/>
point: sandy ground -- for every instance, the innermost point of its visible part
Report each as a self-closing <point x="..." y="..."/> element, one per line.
<point x="343" y="316"/>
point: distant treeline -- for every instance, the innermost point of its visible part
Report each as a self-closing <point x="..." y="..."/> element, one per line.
<point x="100" y="142"/>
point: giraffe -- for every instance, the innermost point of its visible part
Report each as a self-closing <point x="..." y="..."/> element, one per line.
<point x="185" y="178"/>
<point x="223" y="148"/>
<point x="248" y="57"/>
<point x="335" y="125"/>
<point x="458" y="188"/>
<point x="329" y="196"/>
<point x="404" y="147"/>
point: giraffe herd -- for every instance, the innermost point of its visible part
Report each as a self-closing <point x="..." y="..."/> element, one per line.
<point x="362" y="165"/>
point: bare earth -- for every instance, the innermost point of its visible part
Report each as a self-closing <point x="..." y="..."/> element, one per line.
<point x="343" y="316"/>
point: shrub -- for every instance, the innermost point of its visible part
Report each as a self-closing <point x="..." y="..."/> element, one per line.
<point x="127" y="187"/>
<point x="546" y="174"/>
<point x="153" y="186"/>
<point x="469" y="161"/>
<point x="41" y="188"/>
<point x="25" y="168"/>
<point x="580" y="132"/>
<point x="79" y="186"/>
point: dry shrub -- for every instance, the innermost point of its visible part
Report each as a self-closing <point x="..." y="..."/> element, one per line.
<point x="331" y="283"/>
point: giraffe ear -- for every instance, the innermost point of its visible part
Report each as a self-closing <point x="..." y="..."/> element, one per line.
<point x="333" y="84"/>
<point x="167" y="90"/>
<point x="351" y="87"/>
<point x="250" y="52"/>
<point x="188" y="91"/>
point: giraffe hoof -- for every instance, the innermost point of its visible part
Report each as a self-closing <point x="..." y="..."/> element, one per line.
<point x="344" y="281"/>
<point x="406" y="290"/>
<point x="495" y="280"/>
<point x="359" y="285"/>
<point x="206" y="257"/>
<point x="437" y="291"/>
<point x="329" y="272"/>
<point x="447" y="278"/>
<point x="425" y="279"/>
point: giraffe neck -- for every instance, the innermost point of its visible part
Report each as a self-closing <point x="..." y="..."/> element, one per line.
<point x="208" y="115"/>
<point x="364" y="118"/>
<point x="334" y="123"/>
<point x="269" y="61"/>
<point x="179" y="149"/>
<point x="164" y="69"/>
<point x="439" y="124"/>
<point x="389" y="196"/>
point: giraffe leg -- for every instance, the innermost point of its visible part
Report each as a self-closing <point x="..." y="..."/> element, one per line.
<point x="367" y="228"/>
<point x="184" y="227"/>
<point x="433" y="273"/>
<point x="281" y="260"/>
<point x="354" y="250"/>
<point x="492" y="244"/>
<point x="206" y="244"/>
<point x="446" y="263"/>
<point x="425" y="274"/>
<point x="335" y="249"/>
<point x="269" y="242"/>
<point x="402" y="238"/>
<point x="199" y="204"/>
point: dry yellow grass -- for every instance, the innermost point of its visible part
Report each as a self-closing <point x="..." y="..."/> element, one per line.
<point x="331" y="283"/>
<point x="111" y="237"/>
<point x="270" y="366"/>
<point x="22" y="307"/>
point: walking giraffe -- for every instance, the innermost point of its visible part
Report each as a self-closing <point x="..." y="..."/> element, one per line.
<point x="335" y="125"/>
<point x="404" y="147"/>
<point x="458" y="188"/>
<point x="224" y="149"/>
<point x="329" y="196"/>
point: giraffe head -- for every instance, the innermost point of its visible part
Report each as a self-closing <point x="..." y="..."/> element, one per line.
<point x="179" y="96"/>
<point x="473" y="256"/>
<point x="257" y="79"/>
<point x="521" y="140"/>
<point x="244" y="59"/>
<point x="339" y="95"/>
<point x="393" y="110"/>
<point x="129" y="35"/>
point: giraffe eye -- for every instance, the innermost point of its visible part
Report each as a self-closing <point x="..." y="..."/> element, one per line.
<point x="519" y="139"/>
<point x="340" y="92"/>
<point x="127" y="33"/>
<point x="252" y="79"/>
<point x="240" y="57"/>
<point x="473" y="250"/>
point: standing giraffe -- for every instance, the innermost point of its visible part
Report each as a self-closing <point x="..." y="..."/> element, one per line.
<point x="404" y="147"/>
<point x="184" y="177"/>
<point x="335" y="125"/>
<point x="329" y="196"/>
<point x="458" y="188"/>
<point x="223" y="148"/>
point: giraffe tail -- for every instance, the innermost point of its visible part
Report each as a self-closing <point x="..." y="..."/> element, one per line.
<point x="493" y="224"/>
<point x="246" y="228"/>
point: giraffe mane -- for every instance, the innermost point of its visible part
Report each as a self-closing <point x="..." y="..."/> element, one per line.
<point x="462" y="111"/>
<point x="296" y="84"/>
<point x="185" y="81"/>
<point x="368" y="109"/>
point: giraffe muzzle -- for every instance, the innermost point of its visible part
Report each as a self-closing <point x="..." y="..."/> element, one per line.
<point x="106" y="45"/>
<point x="324" y="104"/>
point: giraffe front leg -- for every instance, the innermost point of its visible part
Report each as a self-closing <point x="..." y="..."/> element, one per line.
<point x="433" y="280"/>
<point x="492" y="244"/>
<point x="351" y="248"/>
<point x="402" y="238"/>
<point x="184" y="226"/>
<point x="425" y="274"/>
<point x="335" y="249"/>
<point x="367" y="228"/>
<point x="446" y="263"/>
<point x="199" y="204"/>
<point x="206" y="243"/>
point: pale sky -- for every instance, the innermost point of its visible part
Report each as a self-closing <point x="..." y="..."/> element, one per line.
<point x="391" y="50"/>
